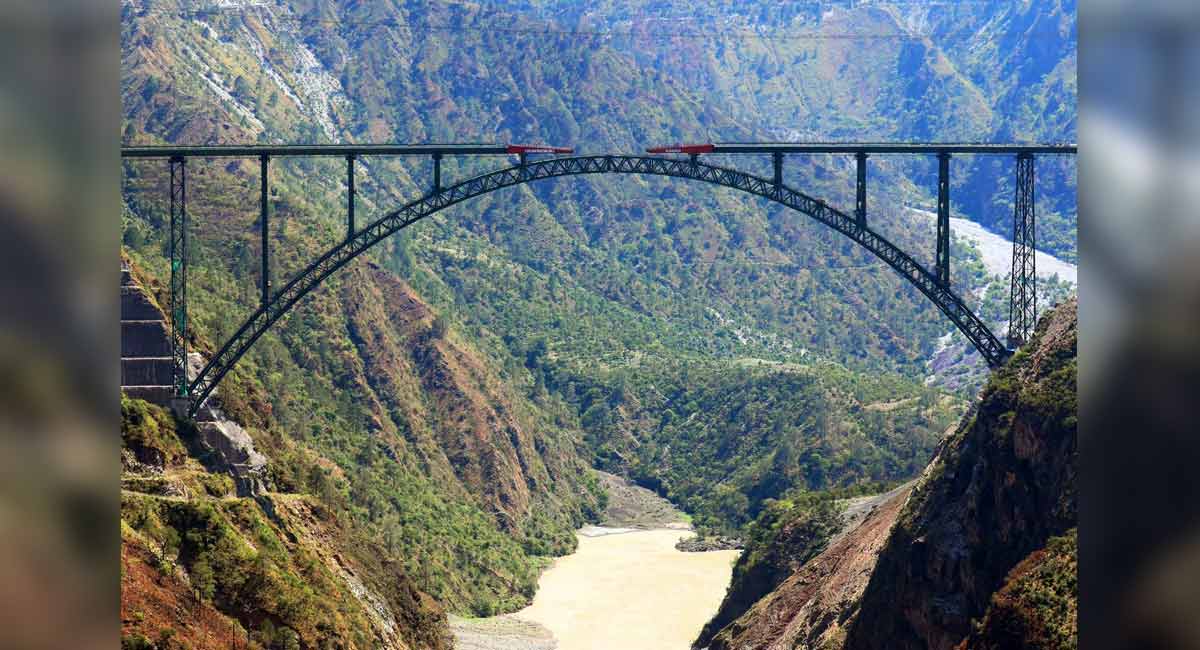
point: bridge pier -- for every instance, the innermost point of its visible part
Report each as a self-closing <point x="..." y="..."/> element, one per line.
<point x="437" y="171"/>
<point x="1022" y="300"/>
<point x="860" y="193"/>
<point x="350" y="196"/>
<point x="777" y="163"/>
<point x="179" y="263"/>
<point x="943" y="219"/>
<point x="264" y="162"/>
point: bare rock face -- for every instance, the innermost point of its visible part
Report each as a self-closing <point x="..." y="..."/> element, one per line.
<point x="812" y="607"/>
<point x="1038" y="607"/>
<point x="997" y="490"/>
<point x="968" y="544"/>
<point x="230" y="449"/>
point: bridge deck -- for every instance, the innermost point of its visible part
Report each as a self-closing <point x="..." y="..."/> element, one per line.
<point x="893" y="147"/>
<point x="254" y="151"/>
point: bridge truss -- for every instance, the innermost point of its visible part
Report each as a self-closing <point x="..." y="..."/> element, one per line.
<point x="935" y="285"/>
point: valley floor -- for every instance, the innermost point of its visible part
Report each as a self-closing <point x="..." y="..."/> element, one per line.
<point x="622" y="588"/>
<point x="996" y="250"/>
<point x="626" y="586"/>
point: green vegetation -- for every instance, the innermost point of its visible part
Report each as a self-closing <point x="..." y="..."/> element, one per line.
<point x="787" y="533"/>
<point x="266" y="573"/>
<point x="1038" y="606"/>
<point x="236" y="559"/>
<point x="149" y="432"/>
<point x="721" y="439"/>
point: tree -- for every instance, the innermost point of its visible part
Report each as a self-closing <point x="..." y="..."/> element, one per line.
<point x="241" y="89"/>
<point x="203" y="580"/>
<point x="438" y="328"/>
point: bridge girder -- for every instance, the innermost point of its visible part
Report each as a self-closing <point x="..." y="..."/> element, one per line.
<point x="281" y="302"/>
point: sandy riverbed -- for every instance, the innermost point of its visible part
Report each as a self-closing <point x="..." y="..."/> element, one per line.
<point x="622" y="588"/>
<point x="996" y="250"/>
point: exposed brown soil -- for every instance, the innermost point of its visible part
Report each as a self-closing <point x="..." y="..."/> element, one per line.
<point x="155" y="604"/>
<point x="813" y="607"/>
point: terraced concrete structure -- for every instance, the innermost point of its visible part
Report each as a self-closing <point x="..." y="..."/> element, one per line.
<point x="146" y="367"/>
<point x="146" y="373"/>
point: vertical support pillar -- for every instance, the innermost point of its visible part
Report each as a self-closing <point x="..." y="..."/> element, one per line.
<point x="263" y="223"/>
<point x="777" y="162"/>
<point x="437" y="171"/>
<point x="860" y="191"/>
<point x="522" y="160"/>
<point x="1022" y="300"/>
<point x="943" y="220"/>
<point x="179" y="262"/>
<point x="349" y="196"/>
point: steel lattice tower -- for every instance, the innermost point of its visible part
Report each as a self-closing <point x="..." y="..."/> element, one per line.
<point x="179" y="261"/>
<point x="1022" y="305"/>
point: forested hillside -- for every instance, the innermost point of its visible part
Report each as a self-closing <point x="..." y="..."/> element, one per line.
<point x="456" y="383"/>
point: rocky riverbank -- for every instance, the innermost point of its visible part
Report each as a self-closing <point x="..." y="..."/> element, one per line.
<point x="507" y="632"/>
<point x="705" y="544"/>
<point x="633" y="506"/>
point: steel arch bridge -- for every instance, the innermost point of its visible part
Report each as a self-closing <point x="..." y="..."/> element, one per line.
<point x="274" y="305"/>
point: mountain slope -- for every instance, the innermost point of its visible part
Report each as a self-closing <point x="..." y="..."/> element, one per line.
<point x="815" y="604"/>
<point x="208" y="567"/>
<point x="980" y="538"/>
<point x="998" y="491"/>
<point x="570" y="286"/>
<point x="430" y="452"/>
<point x="1038" y="605"/>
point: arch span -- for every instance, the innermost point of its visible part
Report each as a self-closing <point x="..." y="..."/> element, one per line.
<point x="282" y="301"/>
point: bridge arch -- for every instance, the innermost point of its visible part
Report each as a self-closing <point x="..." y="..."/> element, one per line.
<point x="338" y="256"/>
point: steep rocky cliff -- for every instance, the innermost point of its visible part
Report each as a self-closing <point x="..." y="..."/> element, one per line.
<point x="983" y="546"/>
<point x="813" y="605"/>
<point x="785" y="536"/>
<point x="1037" y="608"/>
<point x="998" y="489"/>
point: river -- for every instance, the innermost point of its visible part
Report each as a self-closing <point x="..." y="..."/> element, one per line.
<point x="630" y="590"/>
<point x="996" y="250"/>
<point x="623" y="588"/>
